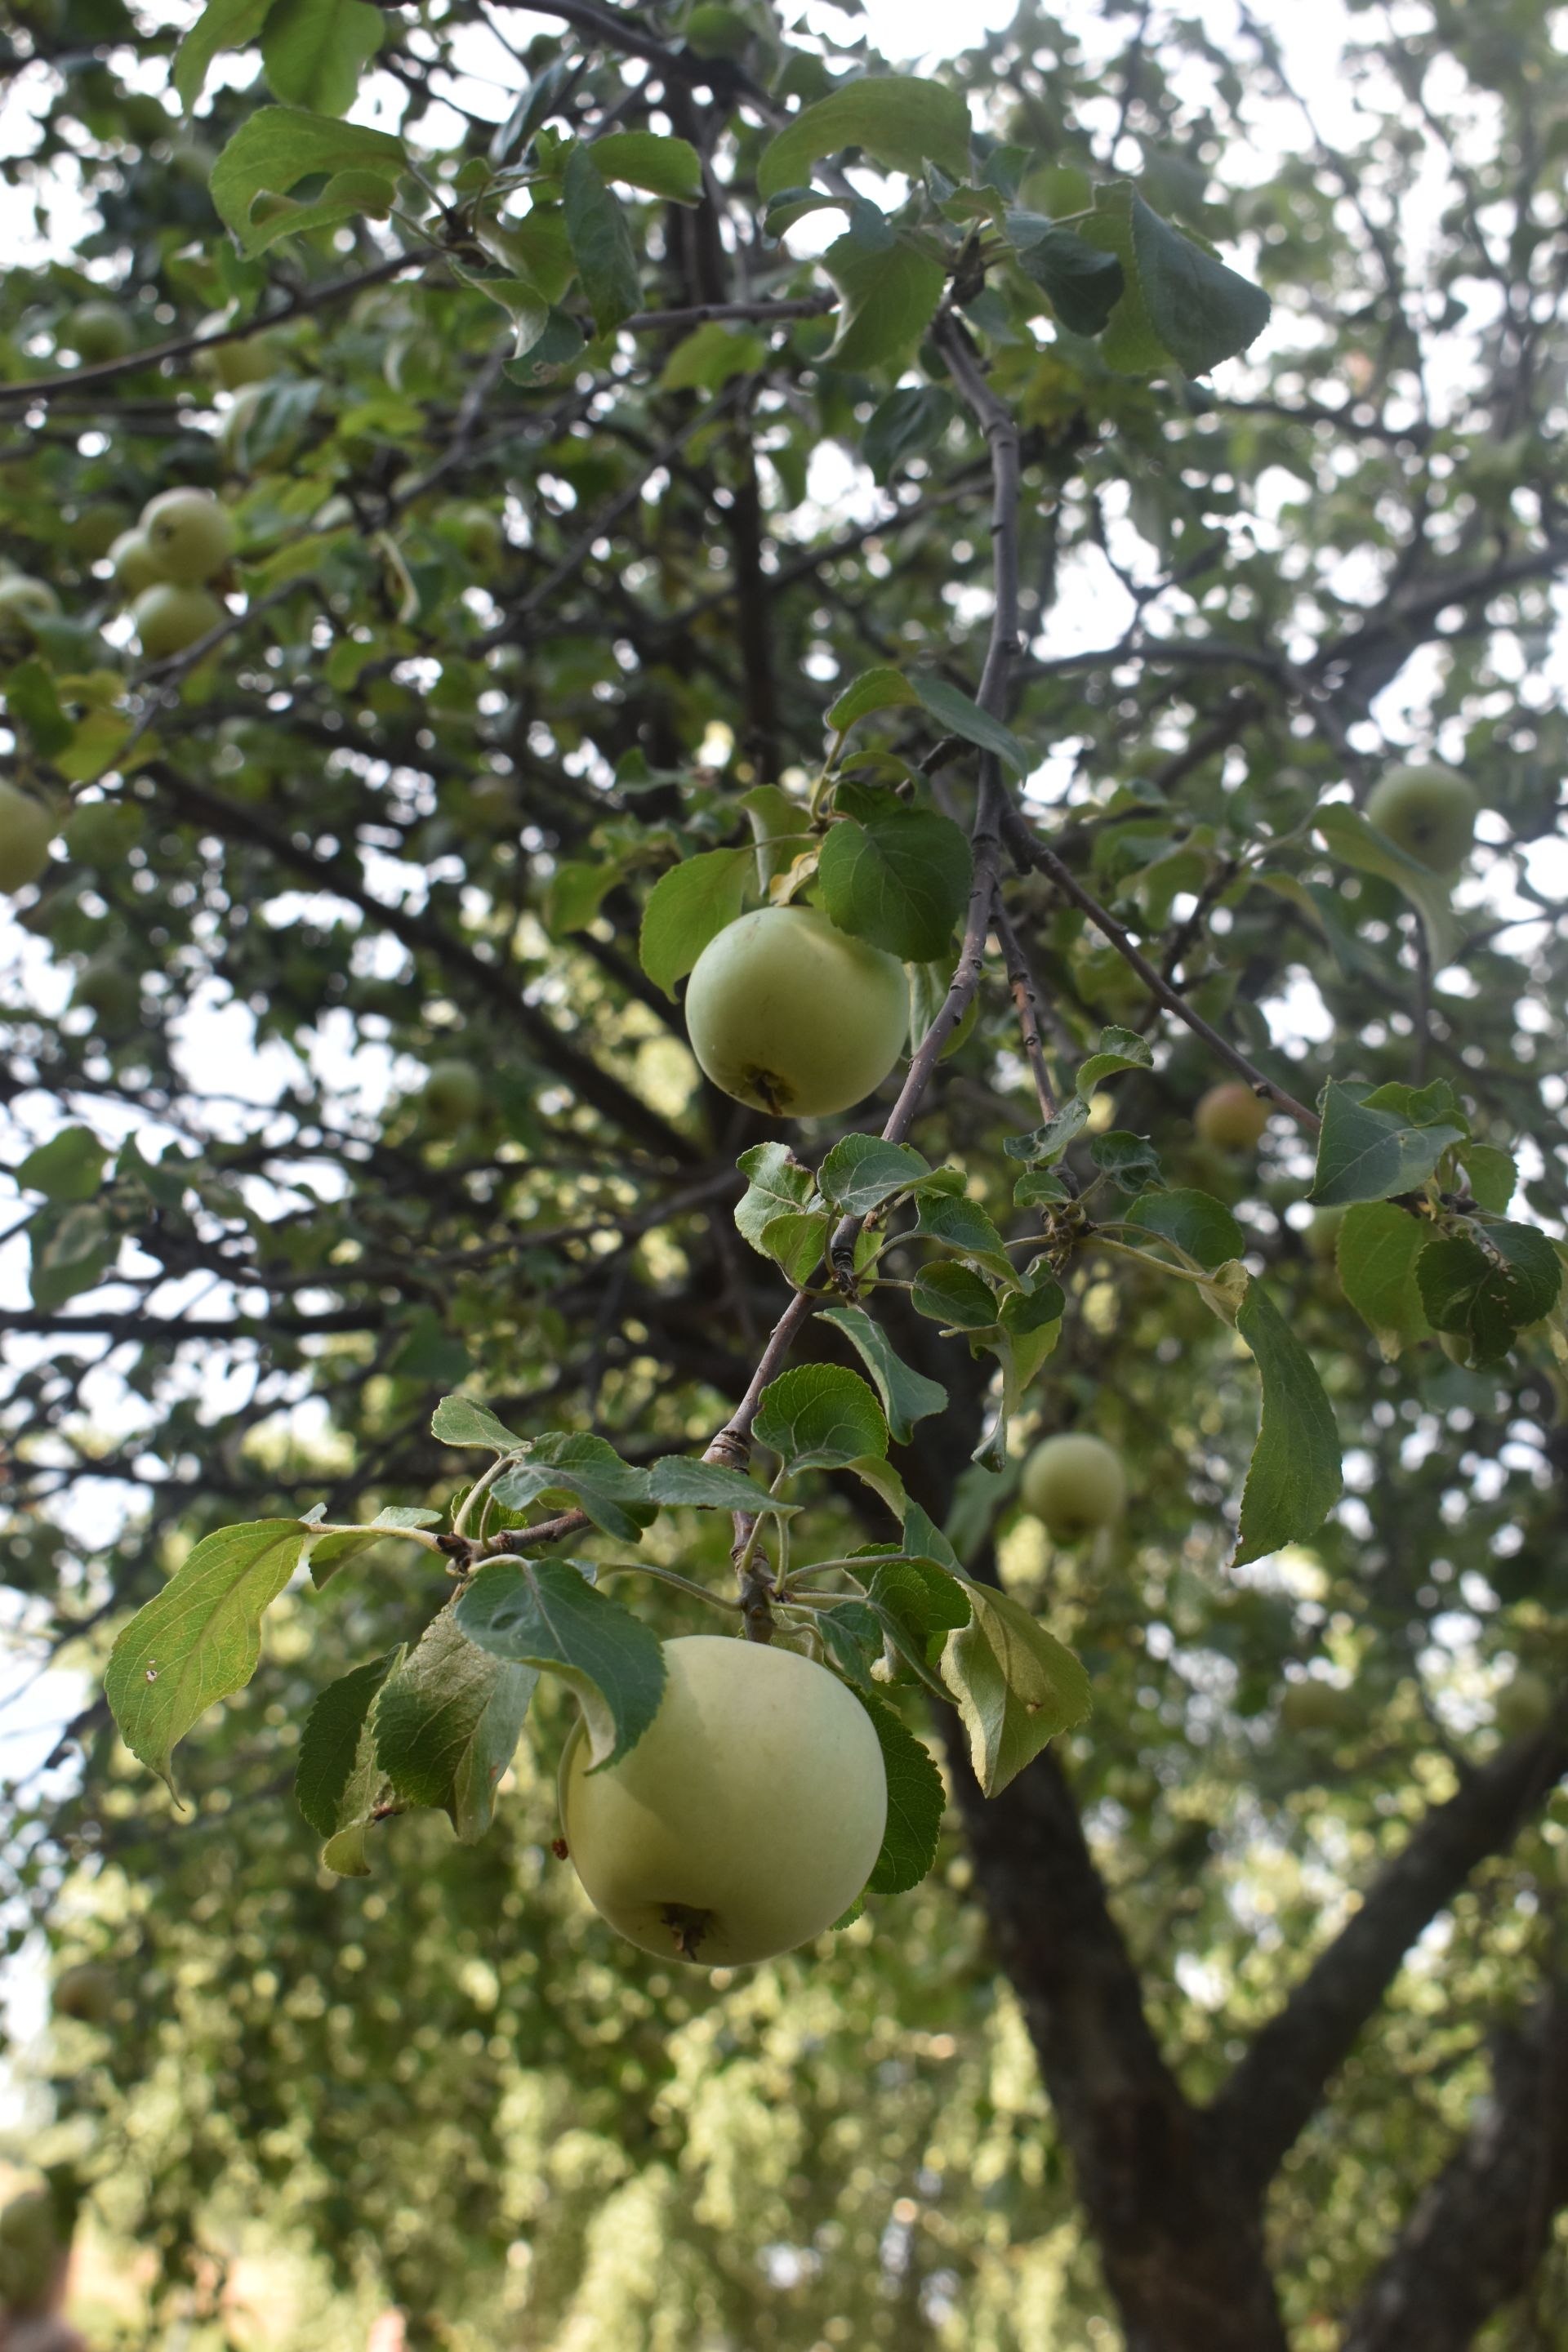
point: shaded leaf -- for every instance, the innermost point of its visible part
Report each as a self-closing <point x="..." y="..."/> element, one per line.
<point x="907" y="1395"/>
<point x="601" y="241"/>
<point x="1365" y="1152"/>
<point x="901" y="881"/>
<point x="338" y="1782"/>
<point x="448" y="1722"/>
<point x="1196" y="1221"/>
<point x="314" y="51"/>
<point x="960" y="715"/>
<point x="1294" y="1478"/>
<point x="820" y="1417"/>
<point x="1376" y="1249"/>
<point x="565" y="1467"/>
<point x="543" y="1613"/>
<point x="915" y="1802"/>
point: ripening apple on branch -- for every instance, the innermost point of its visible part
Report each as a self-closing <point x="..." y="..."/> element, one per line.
<point x="1074" y="1483"/>
<point x="1429" y="812"/>
<point x="1231" y="1117"/>
<point x="790" y="1015"/>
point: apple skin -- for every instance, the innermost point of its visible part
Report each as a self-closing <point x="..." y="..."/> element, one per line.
<point x="26" y="829"/>
<point x="1074" y="1483"/>
<point x="453" y="1097"/>
<point x="786" y="1013"/>
<point x="1429" y="812"/>
<point x="135" y="569"/>
<point x="96" y="332"/>
<point x="1231" y="1118"/>
<point x="1523" y="1707"/>
<point x="192" y="536"/>
<point x="168" y="619"/>
<point x="747" y="1818"/>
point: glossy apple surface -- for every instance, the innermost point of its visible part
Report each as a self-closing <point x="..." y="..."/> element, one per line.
<point x="135" y="569"/>
<point x="191" y="536"/>
<point x="786" y="1013"/>
<point x="747" y="1818"/>
<point x="1231" y="1117"/>
<point x="169" y="619"/>
<point x="1429" y="811"/>
<point x="1074" y="1483"/>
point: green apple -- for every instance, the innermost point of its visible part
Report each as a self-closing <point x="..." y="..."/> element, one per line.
<point x="453" y="1097"/>
<point x="98" y="331"/>
<point x="192" y="536"/>
<point x="24" y="602"/>
<point x="99" y="833"/>
<point x="169" y="619"/>
<point x="1523" y="1706"/>
<point x="1429" y="812"/>
<point x="1074" y="1483"/>
<point x="26" y="828"/>
<point x="95" y="527"/>
<point x="249" y="359"/>
<point x="85" y="1993"/>
<point x="1231" y="1117"/>
<point x="786" y="1013"/>
<point x="747" y="1818"/>
<point x="1313" y="1704"/>
<point x="135" y="567"/>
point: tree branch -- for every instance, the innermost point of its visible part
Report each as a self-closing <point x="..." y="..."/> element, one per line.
<point x="1276" y="2089"/>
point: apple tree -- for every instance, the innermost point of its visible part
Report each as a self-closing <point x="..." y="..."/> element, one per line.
<point x="781" y="844"/>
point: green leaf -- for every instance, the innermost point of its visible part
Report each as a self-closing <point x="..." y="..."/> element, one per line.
<point x="686" y="907"/>
<point x="819" y="1417"/>
<point x="601" y="242"/>
<point x="448" y="1722"/>
<point x="795" y="1242"/>
<point x="536" y="250"/>
<point x="917" y="1602"/>
<point x="852" y="1637"/>
<point x="1044" y="1144"/>
<point x="1177" y="300"/>
<point x="543" y="1613"/>
<point x="464" y="1420"/>
<point x="915" y="1802"/>
<point x="563" y="1467"/>
<point x="904" y="426"/>
<point x="1376" y="1248"/>
<point x="199" y="1638"/>
<point x="951" y="1295"/>
<point x="1366" y="1152"/>
<point x="890" y="293"/>
<point x="338" y="1781"/>
<point x="70" y="1248"/>
<point x="1120" y="1049"/>
<point x="778" y="1184"/>
<point x="275" y="148"/>
<point x="576" y="892"/>
<point x="314" y="51"/>
<point x="962" y="1224"/>
<point x="707" y="358"/>
<point x="338" y="1546"/>
<point x="899" y="120"/>
<point x="1485" y="1284"/>
<point x="1492" y="1175"/>
<point x="683" y="1481"/>
<point x="900" y="881"/>
<point x="222" y="24"/>
<point x="642" y="159"/>
<point x="1130" y="1160"/>
<point x="1082" y="284"/>
<point x="1196" y="1221"/>
<point x="1040" y="1302"/>
<point x="883" y="688"/>
<point x="1294" y="1479"/>
<point x="778" y="828"/>
<point x="861" y="1172"/>
<point x="907" y="1395"/>
<point x="953" y="709"/>
<point x="32" y="702"/>
<point x="1356" y="841"/>
<point x="69" y="1167"/>
<point x="1016" y="1684"/>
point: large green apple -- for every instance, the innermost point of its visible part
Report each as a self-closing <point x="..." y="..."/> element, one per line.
<point x="169" y="619"/>
<point x="1429" y="811"/>
<point x="26" y="828"/>
<point x="1231" y="1117"/>
<point x="746" y="1819"/>
<point x="1074" y="1483"/>
<point x="786" y="1013"/>
<point x="191" y="534"/>
<point x="453" y="1097"/>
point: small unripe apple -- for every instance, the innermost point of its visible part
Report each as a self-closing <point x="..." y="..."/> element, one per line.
<point x="1312" y="1706"/>
<point x="85" y="1993"/>
<point x="1231" y="1118"/>
<point x="1429" y="812"/>
<point x="95" y="527"/>
<point x="192" y="536"/>
<point x="135" y="569"/>
<point x="24" y="602"/>
<point x="110" y="991"/>
<point x="746" y="1819"/>
<point x="248" y="359"/>
<point x="453" y="1097"/>
<point x="99" y="833"/>
<point x="1523" y="1707"/>
<point x="786" y="1013"/>
<point x="26" y="828"/>
<point x="98" y="331"/>
<point x="169" y="619"/>
<point x="1074" y="1483"/>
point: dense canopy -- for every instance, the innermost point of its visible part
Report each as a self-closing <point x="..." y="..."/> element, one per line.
<point x="1080" y="520"/>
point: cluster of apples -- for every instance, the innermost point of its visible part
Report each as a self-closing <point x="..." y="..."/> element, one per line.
<point x="162" y="566"/>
